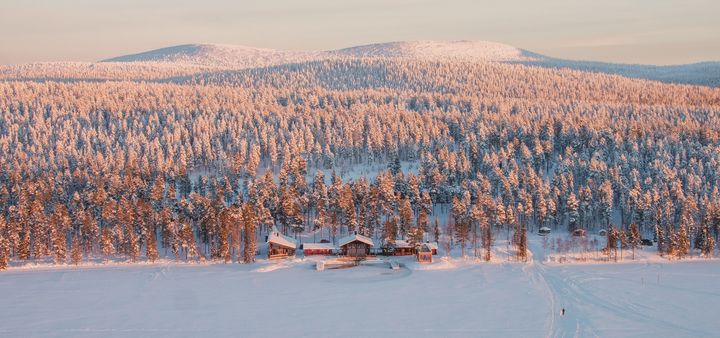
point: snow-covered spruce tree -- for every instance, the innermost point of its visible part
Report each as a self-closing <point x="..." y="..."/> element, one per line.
<point x="634" y="238"/>
<point x="487" y="242"/>
<point x="106" y="243"/>
<point x="661" y="239"/>
<point x="436" y="230"/>
<point x="572" y="212"/>
<point x="189" y="242"/>
<point x="23" y="247"/>
<point x="76" y="253"/>
<point x="606" y="201"/>
<point x="704" y="241"/>
<point x="460" y="224"/>
<point x="4" y="245"/>
<point x="405" y="214"/>
<point x="347" y="209"/>
<point x="133" y="244"/>
<point x="249" y="220"/>
<point x="390" y="229"/>
<point x="683" y="241"/>
<point x="671" y="242"/>
<point x="479" y="221"/>
<point x="59" y="241"/>
<point x="522" y="249"/>
<point x="611" y="244"/>
<point x="151" y="252"/>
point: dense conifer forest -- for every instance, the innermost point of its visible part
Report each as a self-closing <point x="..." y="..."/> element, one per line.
<point x="138" y="161"/>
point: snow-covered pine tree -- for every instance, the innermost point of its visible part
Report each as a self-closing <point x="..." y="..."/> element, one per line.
<point x="58" y="239"/>
<point x="634" y="238"/>
<point x="405" y="214"/>
<point x="522" y="249"/>
<point x="572" y="212"/>
<point x="151" y="252"/>
<point x="390" y="229"/>
<point x="106" y="243"/>
<point x="249" y="220"/>
<point x="683" y="241"/>
<point x="487" y="243"/>
<point x="76" y="251"/>
<point x="611" y="244"/>
<point x="4" y="245"/>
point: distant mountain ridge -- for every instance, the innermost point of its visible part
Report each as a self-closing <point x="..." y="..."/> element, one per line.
<point x="240" y="57"/>
<point x="235" y="56"/>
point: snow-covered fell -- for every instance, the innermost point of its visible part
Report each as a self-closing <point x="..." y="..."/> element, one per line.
<point x="232" y="56"/>
<point x="241" y="57"/>
<point x="217" y="55"/>
<point x="463" y="50"/>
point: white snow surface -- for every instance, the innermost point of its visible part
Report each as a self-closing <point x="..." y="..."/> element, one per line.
<point x="451" y="297"/>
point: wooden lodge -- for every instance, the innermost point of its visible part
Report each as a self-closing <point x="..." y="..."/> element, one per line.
<point x="403" y="248"/>
<point x="326" y="249"/>
<point x="279" y="245"/>
<point x="355" y="246"/>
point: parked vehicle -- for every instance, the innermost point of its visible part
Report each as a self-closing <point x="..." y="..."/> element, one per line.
<point x="646" y="242"/>
<point x="579" y="233"/>
<point x="544" y="231"/>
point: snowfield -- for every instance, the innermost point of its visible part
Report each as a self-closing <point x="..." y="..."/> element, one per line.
<point x="449" y="298"/>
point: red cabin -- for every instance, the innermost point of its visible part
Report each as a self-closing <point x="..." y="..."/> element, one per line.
<point x="326" y="249"/>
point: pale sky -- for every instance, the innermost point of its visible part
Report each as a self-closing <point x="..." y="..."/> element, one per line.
<point x="628" y="31"/>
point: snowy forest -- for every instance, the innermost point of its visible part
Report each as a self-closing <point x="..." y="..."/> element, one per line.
<point x="141" y="161"/>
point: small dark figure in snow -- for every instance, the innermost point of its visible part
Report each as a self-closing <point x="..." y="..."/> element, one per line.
<point x="562" y="312"/>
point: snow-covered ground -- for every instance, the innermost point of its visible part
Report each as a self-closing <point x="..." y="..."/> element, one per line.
<point x="448" y="298"/>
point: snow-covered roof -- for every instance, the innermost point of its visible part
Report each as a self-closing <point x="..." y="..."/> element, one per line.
<point x="275" y="237"/>
<point x="431" y="246"/>
<point x="544" y="229"/>
<point x="318" y="246"/>
<point x="401" y="243"/>
<point x="352" y="238"/>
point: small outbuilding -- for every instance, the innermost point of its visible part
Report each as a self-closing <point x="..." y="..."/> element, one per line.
<point x="432" y="246"/>
<point x="602" y="232"/>
<point x="425" y="252"/>
<point x="357" y="246"/>
<point x="310" y="249"/>
<point x="279" y="245"/>
<point x="579" y="232"/>
<point x="544" y="231"/>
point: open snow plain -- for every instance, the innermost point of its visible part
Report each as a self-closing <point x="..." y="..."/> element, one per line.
<point x="448" y="298"/>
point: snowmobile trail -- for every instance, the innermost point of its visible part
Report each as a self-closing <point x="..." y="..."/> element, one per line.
<point x="591" y="310"/>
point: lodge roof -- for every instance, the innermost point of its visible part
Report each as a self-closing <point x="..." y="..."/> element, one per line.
<point x="275" y="237"/>
<point x="355" y="238"/>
